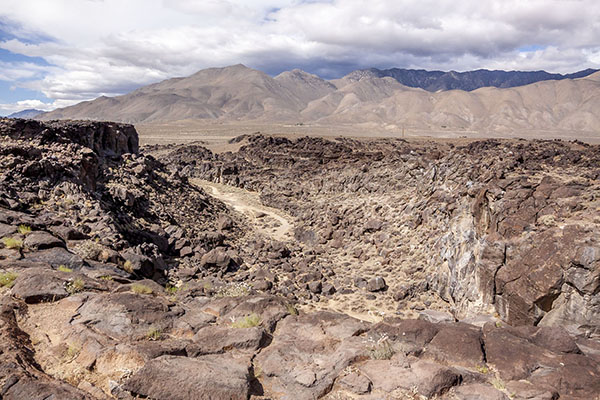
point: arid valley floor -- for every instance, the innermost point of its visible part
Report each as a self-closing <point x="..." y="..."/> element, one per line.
<point x="296" y="262"/>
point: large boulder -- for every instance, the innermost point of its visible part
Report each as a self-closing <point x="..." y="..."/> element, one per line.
<point x="36" y="285"/>
<point x="457" y="344"/>
<point x="308" y="352"/>
<point x="183" y="378"/>
<point x="127" y="316"/>
<point x="56" y="256"/>
<point x="218" y="339"/>
<point x="429" y="379"/>
<point x="40" y="240"/>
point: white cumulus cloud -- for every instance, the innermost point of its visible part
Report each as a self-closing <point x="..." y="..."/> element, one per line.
<point x="113" y="46"/>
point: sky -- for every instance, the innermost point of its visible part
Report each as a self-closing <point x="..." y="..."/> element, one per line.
<point x="60" y="52"/>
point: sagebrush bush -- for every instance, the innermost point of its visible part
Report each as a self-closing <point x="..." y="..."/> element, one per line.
<point x="291" y="309"/>
<point x="12" y="243"/>
<point x="153" y="334"/>
<point x="380" y="348"/>
<point x="138" y="288"/>
<point x="24" y="229"/>
<point x="237" y="289"/>
<point x="64" y="268"/>
<point x="249" y="321"/>
<point x="170" y="289"/>
<point x="75" y="286"/>
<point x="7" y="279"/>
<point x="73" y="350"/>
<point x="128" y="266"/>
<point x="88" y="249"/>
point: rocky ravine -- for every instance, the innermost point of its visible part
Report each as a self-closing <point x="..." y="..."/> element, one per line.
<point x="492" y="226"/>
<point x="122" y="279"/>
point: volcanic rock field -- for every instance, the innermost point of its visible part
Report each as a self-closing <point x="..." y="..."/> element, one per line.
<point x="296" y="267"/>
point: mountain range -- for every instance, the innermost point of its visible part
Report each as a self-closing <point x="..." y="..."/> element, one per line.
<point x="434" y="81"/>
<point x="28" y="113"/>
<point x="367" y="97"/>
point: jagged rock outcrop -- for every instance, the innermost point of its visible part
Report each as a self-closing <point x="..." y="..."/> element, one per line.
<point x="119" y="278"/>
<point x="491" y="226"/>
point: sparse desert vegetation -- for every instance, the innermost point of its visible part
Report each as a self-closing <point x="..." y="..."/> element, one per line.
<point x="141" y="289"/>
<point x="7" y="279"/>
<point x="24" y="229"/>
<point x="75" y="286"/>
<point x="12" y="243"/>
<point x="249" y="321"/>
<point x="154" y="334"/>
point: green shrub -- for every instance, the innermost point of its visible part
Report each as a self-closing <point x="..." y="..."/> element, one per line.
<point x="483" y="369"/>
<point x="291" y="309"/>
<point x="128" y="266"/>
<point x="12" y="243"/>
<point x="7" y="279"/>
<point x="64" y="268"/>
<point x="138" y="288"/>
<point x="24" y="230"/>
<point x="153" y="334"/>
<point x="88" y="249"/>
<point x="75" y="286"/>
<point x="73" y="351"/>
<point x="249" y="321"/>
<point x="381" y="348"/>
<point x="498" y="383"/>
<point x="170" y="289"/>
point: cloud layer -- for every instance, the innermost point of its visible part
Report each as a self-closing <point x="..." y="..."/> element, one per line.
<point x="108" y="47"/>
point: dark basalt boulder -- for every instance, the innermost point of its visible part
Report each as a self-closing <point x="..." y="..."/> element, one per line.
<point x="184" y="378"/>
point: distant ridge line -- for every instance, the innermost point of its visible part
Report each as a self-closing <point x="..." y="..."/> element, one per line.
<point x="434" y="81"/>
<point x="239" y="93"/>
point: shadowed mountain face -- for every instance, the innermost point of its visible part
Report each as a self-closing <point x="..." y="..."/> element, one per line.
<point x="434" y="81"/>
<point x="29" y="113"/>
<point x="238" y="93"/>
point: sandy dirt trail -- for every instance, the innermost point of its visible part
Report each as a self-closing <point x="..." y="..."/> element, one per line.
<point x="266" y="220"/>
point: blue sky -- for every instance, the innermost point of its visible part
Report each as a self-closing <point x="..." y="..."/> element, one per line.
<point x="57" y="53"/>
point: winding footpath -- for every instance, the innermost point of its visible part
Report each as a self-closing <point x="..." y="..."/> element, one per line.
<point x="266" y="220"/>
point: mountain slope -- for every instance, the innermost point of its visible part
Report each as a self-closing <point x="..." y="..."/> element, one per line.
<point x="26" y="114"/>
<point x="572" y="104"/>
<point x="235" y="92"/>
<point x="307" y="87"/>
<point x="240" y="93"/>
<point x="434" y="81"/>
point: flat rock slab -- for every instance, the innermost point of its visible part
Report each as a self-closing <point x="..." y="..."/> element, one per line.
<point x="476" y="391"/>
<point x="428" y="378"/>
<point x="270" y="309"/>
<point x="42" y="240"/>
<point x="517" y="358"/>
<point x="308" y="353"/>
<point x="126" y="315"/>
<point x="7" y="230"/>
<point x="218" y="339"/>
<point x="182" y="378"/>
<point x="37" y="285"/>
<point x="56" y="257"/>
<point x="410" y="334"/>
<point x="32" y="389"/>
